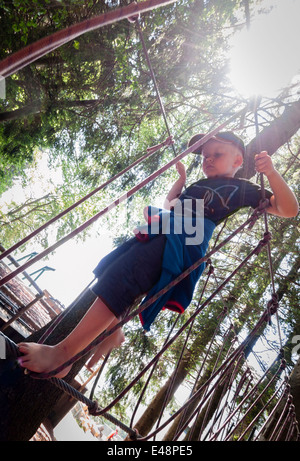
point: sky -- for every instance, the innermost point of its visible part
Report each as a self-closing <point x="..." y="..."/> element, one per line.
<point x="263" y="60"/>
<point x="266" y="57"/>
<point x="73" y="261"/>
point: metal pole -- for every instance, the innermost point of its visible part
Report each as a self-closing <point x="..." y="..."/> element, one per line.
<point x="36" y="50"/>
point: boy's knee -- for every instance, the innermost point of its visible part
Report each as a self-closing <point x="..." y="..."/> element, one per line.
<point x="119" y="337"/>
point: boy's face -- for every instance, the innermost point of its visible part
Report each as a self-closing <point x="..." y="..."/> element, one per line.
<point x="220" y="159"/>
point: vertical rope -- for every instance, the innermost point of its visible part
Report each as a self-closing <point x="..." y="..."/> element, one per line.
<point x="271" y="271"/>
<point x="136" y="19"/>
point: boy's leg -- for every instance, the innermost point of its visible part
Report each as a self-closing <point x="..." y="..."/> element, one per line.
<point x="109" y="343"/>
<point x="43" y="358"/>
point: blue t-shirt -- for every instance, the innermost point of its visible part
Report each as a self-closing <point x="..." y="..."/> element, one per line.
<point x="223" y="196"/>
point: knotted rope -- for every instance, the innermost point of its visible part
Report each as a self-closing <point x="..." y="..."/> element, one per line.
<point x="12" y="352"/>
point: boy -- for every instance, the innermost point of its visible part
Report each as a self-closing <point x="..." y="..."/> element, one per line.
<point x="146" y="263"/>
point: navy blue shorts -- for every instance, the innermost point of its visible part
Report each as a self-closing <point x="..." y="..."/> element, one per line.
<point x="129" y="272"/>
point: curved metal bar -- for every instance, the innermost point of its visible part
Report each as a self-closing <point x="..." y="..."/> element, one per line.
<point x="36" y="50"/>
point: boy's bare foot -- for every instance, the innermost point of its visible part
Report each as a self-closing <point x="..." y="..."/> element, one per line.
<point x="41" y="358"/>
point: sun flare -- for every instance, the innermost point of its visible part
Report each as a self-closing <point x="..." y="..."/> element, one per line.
<point x="265" y="58"/>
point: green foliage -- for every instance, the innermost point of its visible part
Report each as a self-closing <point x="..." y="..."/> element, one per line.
<point x="98" y="88"/>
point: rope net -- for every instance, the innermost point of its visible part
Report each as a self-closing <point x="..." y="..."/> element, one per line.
<point x="224" y="404"/>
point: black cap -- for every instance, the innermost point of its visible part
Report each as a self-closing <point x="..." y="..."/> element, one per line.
<point x="227" y="137"/>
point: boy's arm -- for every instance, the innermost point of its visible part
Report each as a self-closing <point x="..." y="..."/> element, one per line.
<point x="283" y="202"/>
<point x="176" y="188"/>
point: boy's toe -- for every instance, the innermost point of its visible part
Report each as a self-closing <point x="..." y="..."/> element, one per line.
<point x="23" y="347"/>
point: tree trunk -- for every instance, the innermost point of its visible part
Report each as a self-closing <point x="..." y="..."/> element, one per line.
<point x="180" y="420"/>
<point x="282" y="410"/>
<point x="271" y="138"/>
<point x="26" y="402"/>
<point x="152" y="412"/>
<point x="165" y="393"/>
<point x="283" y="287"/>
<point x="206" y="413"/>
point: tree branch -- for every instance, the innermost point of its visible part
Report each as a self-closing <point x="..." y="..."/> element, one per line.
<point x="271" y="138"/>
